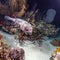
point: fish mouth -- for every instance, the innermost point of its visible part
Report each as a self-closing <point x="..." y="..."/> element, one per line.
<point x="28" y="33"/>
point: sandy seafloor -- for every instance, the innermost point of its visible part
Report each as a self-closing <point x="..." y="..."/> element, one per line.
<point x="32" y="51"/>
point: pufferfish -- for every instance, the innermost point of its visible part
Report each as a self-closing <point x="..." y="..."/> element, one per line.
<point x="23" y="25"/>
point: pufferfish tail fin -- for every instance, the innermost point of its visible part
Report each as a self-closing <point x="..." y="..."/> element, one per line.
<point x="9" y="18"/>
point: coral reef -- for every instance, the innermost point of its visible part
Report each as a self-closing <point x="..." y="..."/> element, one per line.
<point x="7" y="53"/>
<point x="13" y="7"/>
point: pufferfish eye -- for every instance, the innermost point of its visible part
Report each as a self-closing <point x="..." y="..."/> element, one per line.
<point x="26" y="29"/>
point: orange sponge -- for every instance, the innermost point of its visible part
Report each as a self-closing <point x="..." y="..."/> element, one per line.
<point x="58" y="49"/>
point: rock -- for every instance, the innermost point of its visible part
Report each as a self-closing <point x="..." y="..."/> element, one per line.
<point x="1" y="36"/>
<point x="13" y="7"/>
<point x="17" y="54"/>
<point x="55" y="42"/>
<point x="4" y="50"/>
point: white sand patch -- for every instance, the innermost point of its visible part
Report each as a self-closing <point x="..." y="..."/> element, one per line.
<point x="32" y="51"/>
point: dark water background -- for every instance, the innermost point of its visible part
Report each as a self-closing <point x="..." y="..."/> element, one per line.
<point x="44" y="5"/>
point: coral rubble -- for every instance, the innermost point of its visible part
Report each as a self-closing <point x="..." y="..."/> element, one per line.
<point x="7" y="53"/>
